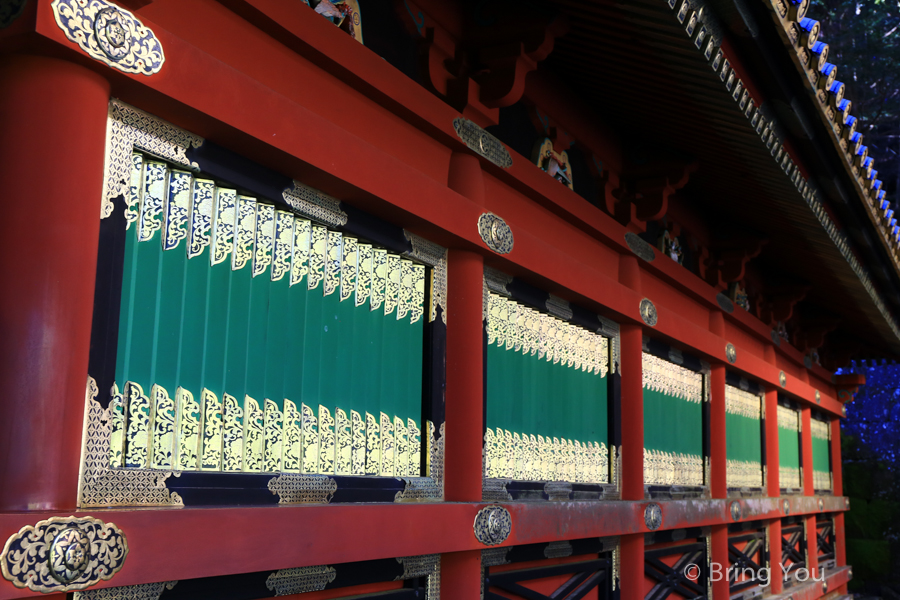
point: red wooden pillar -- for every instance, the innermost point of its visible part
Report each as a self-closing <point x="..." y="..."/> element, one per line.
<point x="461" y="571"/>
<point x="718" y="472"/>
<point x="631" y="356"/>
<point x="837" y="474"/>
<point x="773" y="488"/>
<point x="812" y="545"/>
<point x="806" y="451"/>
<point x="52" y="146"/>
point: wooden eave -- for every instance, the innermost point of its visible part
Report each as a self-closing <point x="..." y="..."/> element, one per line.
<point x="645" y="75"/>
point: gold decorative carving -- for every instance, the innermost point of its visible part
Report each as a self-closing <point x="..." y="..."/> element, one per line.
<point x="744" y="473"/>
<point x="143" y="591"/>
<point x="101" y="485"/>
<point x="129" y="129"/>
<point x="315" y="205"/>
<point x="63" y="554"/>
<point x="482" y="142"/>
<point x="495" y="233"/>
<point x="740" y="402"/>
<point x="672" y="468"/>
<point x="424" y="565"/>
<point x="294" y="488"/>
<point x="110" y="34"/>
<point x="287" y="582"/>
<point x="668" y="378"/>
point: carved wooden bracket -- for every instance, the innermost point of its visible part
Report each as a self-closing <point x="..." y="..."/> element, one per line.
<point x="812" y="333"/>
<point x="725" y="261"/>
<point x="643" y="193"/>
<point x="848" y="386"/>
<point x="478" y="68"/>
<point x="779" y="303"/>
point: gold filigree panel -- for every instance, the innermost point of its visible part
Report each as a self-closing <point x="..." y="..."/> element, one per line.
<point x="668" y="378"/>
<point x="673" y="468"/>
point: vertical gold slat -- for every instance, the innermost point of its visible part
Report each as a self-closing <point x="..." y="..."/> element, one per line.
<point x="152" y="198"/>
<point x="116" y="428"/>
<point x="284" y="241"/>
<point x="332" y="265"/>
<point x="510" y="455"/>
<point x="512" y="311"/>
<point x="387" y="443"/>
<point x="379" y="278"/>
<point x="519" y="457"/>
<point x="401" y="452"/>
<point x="500" y="442"/>
<point x="490" y="454"/>
<point x="364" y="273"/>
<point x="417" y="308"/>
<point x="232" y="435"/>
<point x="326" y="441"/>
<point x="199" y="229"/>
<point x="274" y="444"/>
<point x="415" y="447"/>
<point x="133" y="199"/>
<point x="406" y="290"/>
<point x="213" y="422"/>
<point x="373" y="446"/>
<point x="349" y="266"/>
<point x="177" y="206"/>
<point x="188" y="428"/>
<point x="317" y="249"/>
<point x="265" y="238"/>
<point x="224" y="217"/>
<point x="293" y="449"/>
<point x="300" y="250"/>
<point x="254" y="435"/>
<point x="137" y="440"/>
<point x="244" y="233"/>
<point x="358" y="447"/>
<point x="310" y="441"/>
<point x="343" y="439"/>
<point x="392" y="289"/>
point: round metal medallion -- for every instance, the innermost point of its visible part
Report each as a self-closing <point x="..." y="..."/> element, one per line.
<point x="782" y="379"/>
<point x="818" y="397"/>
<point x="786" y="507"/>
<point x="736" y="510"/>
<point x="730" y="352"/>
<point x="493" y="525"/>
<point x="821" y="504"/>
<point x="642" y="249"/>
<point x="69" y="554"/>
<point x="648" y="312"/>
<point x="846" y="502"/>
<point x="824" y="586"/>
<point x="112" y="34"/>
<point x="653" y="516"/>
<point x="495" y="233"/>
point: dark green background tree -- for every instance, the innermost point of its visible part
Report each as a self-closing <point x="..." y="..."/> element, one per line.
<point x="864" y="42"/>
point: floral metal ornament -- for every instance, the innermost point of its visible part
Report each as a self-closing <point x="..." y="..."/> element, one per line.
<point x="648" y="312"/>
<point x="493" y="525"/>
<point x="110" y="34"/>
<point x="782" y="379"/>
<point x="736" y="512"/>
<point x="495" y="233"/>
<point x="482" y="142"/>
<point x="786" y="507"/>
<point x="653" y="516"/>
<point x="641" y="248"/>
<point x="730" y="352"/>
<point x="63" y="554"/>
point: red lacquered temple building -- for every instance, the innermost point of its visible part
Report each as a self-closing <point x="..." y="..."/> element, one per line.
<point x="401" y="299"/>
